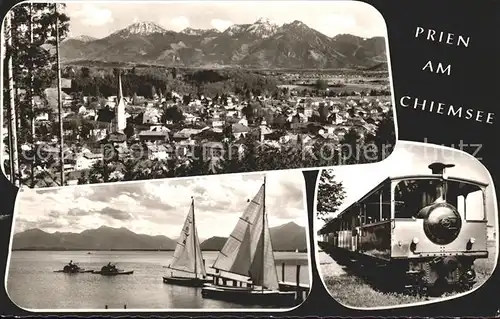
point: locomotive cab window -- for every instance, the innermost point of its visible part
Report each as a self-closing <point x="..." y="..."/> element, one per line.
<point x="469" y="201"/>
<point x="414" y="197"/>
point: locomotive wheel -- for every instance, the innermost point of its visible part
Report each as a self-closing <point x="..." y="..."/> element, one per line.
<point x="466" y="286"/>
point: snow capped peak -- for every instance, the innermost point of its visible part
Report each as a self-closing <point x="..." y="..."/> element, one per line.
<point x="235" y="29"/>
<point x="144" y="28"/>
<point x="191" y="31"/>
<point x="263" y="21"/>
<point x="296" y="26"/>
<point x="84" y="38"/>
<point x="263" y="27"/>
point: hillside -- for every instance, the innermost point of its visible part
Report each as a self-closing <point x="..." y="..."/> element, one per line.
<point x="102" y="238"/>
<point x="287" y="237"/>
<point x="258" y="45"/>
<point x="213" y="243"/>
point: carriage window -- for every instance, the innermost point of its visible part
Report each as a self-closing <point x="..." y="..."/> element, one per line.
<point x="362" y="214"/>
<point x="412" y="196"/>
<point x="355" y="220"/>
<point x="372" y="205"/>
<point x="386" y="202"/>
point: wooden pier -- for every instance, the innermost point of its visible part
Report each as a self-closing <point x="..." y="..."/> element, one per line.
<point x="228" y="279"/>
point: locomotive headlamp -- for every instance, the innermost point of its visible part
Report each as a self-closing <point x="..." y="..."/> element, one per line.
<point x="415" y="240"/>
<point x="472" y="240"/>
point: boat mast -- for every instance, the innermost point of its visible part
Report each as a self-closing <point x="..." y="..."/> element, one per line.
<point x="263" y="230"/>
<point x="194" y="240"/>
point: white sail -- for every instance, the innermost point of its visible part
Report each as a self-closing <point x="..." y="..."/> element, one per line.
<point x="243" y="251"/>
<point x="187" y="254"/>
<point x="263" y="273"/>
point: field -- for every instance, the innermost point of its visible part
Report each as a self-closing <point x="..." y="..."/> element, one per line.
<point x="353" y="291"/>
<point x="348" y="87"/>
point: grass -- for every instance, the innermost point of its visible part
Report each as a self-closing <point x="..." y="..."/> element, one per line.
<point x="353" y="291"/>
<point x="484" y="267"/>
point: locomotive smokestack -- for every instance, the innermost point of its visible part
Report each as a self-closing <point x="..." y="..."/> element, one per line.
<point x="439" y="168"/>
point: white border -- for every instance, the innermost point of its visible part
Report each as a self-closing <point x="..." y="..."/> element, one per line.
<point x="421" y="303"/>
<point x="393" y="101"/>
<point x="389" y="67"/>
<point x="173" y="180"/>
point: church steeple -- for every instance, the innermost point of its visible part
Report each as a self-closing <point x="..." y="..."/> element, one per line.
<point x="120" y="120"/>
<point x="120" y="91"/>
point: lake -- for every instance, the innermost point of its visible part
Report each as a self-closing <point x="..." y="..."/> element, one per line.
<point x="33" y="284"/>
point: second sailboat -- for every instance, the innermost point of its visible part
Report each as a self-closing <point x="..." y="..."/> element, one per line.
<point x="188" y="258"/>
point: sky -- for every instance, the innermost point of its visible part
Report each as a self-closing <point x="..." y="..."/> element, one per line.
<point x="159" y="207"/>
<point x="99" y="19"/>
<point x="408" y="159"/>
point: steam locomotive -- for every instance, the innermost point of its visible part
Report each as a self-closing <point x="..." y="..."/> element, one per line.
<point x="427" y="230"/>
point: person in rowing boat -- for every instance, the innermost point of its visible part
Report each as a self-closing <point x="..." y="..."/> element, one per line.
<point x="111" y="267"/>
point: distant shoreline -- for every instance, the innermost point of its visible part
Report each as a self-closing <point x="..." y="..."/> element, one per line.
<point x="96" y="250"/>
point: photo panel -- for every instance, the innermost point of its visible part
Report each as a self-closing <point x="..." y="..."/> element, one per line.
<point x="173" y="89"/>
<point x="228" y="242"/>
<point x="419" y="227"/>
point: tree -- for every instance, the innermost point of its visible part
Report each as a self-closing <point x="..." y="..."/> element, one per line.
<point x="34" y="34"/>
<point x="351" y="146"/>
<point x="324" y="112"/>
<point x="321" y="84"/>
<point x="85" y="72"/>
<point x="153" y="91"/>
<point x="173" y="114"/>
<point x="13" y="145"/>
<point x="330" y="195"/>
<point x="384" y="138"/>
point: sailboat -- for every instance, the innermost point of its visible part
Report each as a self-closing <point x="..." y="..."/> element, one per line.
<point x="187" y="256"/>
<point x="248" y="254"/>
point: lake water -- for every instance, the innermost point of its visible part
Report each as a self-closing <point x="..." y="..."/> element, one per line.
<point x="33" y="284"/>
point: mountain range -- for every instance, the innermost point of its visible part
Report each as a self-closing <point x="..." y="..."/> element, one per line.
<point x="262" y="44"/>
<point x="287" y="237"/>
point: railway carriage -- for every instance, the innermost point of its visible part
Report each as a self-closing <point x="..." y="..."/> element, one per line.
<point x="428" y="229"/>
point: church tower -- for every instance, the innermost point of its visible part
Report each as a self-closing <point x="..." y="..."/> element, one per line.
<point x="120" y="121"/>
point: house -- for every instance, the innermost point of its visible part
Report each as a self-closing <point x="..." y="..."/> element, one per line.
<point x="42" y="116"/>
<point x="51" y="95"/>
<point x="151" y="116"/>
<point x="212" y="150"/>
<point x="235" y="150"/>
<point x="190" y="118"/>
<point x="99" y="133"/>
<point x="159" y="152"/>
<point x="232" y="113"/>
<point x="87" y="160"/>
<point x="185" y="147"/>
<point x="186" y="133"/>
<point x="215" y="122"/>
<point x="82" y="110"/>
<point x="239" y="130"/>
<point x="308" y="111"/>
<point x="116" y="138"/>
<point x="233" y="120"/>
<point x="327" y="129"/>
<point x="159" y="128"/>
<point x="154" y="136"/>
